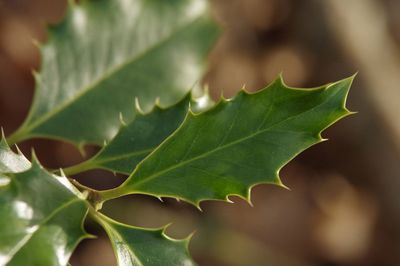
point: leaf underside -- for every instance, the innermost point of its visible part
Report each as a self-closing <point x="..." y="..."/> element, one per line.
<point x="237" y="144"/>
<point x="41" y="215"/>
<point x="107" y="52"/>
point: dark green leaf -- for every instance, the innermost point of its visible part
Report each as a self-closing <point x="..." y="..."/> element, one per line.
<point x="136" y="246"/>
<point x="107" y="52"/>
<point x="237" y="144"/>
<point x="138" y="138"/>
<point x="41" y="214"/>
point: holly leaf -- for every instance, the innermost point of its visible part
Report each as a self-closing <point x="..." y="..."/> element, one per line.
<point x="135" y="246"/>
<point x="237" y="144"/>
<point x="107" y="52"/>
<point x="41" y="214"/>
<point x="141" y="136"/>
<point x="11" y="162"/>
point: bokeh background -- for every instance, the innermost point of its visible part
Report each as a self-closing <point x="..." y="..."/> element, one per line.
<point x="344" y="203"/>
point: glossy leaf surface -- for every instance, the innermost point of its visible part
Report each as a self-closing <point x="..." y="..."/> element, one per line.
<point x="141" y="136"/>
<point x="237" y="144"/>
<point x="107" y="52"/>
<point x="134" y="246"/>
<point x="11" y="162"/>
<point x="41" y="215"/>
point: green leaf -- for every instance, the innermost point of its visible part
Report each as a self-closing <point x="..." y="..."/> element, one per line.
<point x="11" y="162"/>
<point x="41" y="214"/>
<point x="135" y="246"/>
<point x="237" y="144"/>
<point x="141" y="136"/>
<point x="107" y="52"/>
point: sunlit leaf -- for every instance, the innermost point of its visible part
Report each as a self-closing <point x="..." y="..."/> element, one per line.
<point x="107" y="52"/>
<point x="41" y="214"/>
<point x="237" y="144"/>
<point x="141" y="136"/>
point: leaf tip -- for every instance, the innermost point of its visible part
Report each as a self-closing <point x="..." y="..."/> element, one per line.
<point x="278" y="181"/>
<point x="3" y="140"/>
<point x="157" y="103"/>
<point x="346" y="83"/>
<point x="18" y="150"/>
<point x="138" y="108"/>
<point x="321" y="139"/>
<point x="228" y="200"/>
<point x="280" y="80"/>
<point x="197" y="205"/>
<point x="164" y="228"/>
<point x="121" y="120"/>
<point x="222" y="97"/>
<point x="354" y="75"/>
<point x="34" y="159"/>
<point x="248" y="198"/>
<point x="160" y="199"/>
<point x="81" y="148"/>
<point x="348" y="112"/>
<point x="243" y="89"/>
<point x="189" y="238"/>
<point x="3" y="135"/>
<point x="61" y="171"/>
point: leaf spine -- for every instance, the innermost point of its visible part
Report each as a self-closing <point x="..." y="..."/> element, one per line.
<point x="81" y="148"/>
<point x="35" y="161"/>
<point x="121" y="120"/>
<point x="3" y="135"/>
<point x="18" y="150"/>
<point x="138" y="109"/>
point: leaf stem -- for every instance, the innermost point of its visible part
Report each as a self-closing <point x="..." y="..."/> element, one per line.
<point x="78" y="168"/>
<point x="16" y="137"/>
<point x="110" y="194"/>
<point x="94" y="214"/>
<point x="93" y="195"/>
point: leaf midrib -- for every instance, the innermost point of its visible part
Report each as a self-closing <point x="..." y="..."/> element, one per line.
<point x="182" y="163"/>
<point x="113" y="70"/>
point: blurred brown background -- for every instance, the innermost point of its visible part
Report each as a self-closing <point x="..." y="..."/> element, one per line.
<point x="344" y="203"/>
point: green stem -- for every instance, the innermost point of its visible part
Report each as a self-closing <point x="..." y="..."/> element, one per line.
<point x="79" y="168"/>
<point x="96" y="215"/>
<point x="110" y="194"/>
<point x="16" y="137"/>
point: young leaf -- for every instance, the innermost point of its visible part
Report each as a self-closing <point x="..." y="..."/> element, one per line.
<point x="107" y="52"/>
<point x="141" y="136"/>
<point x="136" y="246"/>
<point x="41" y="215"/>
<point x="237" y="144"/>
